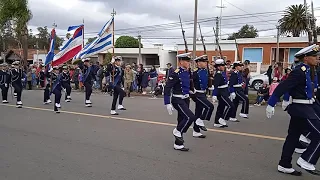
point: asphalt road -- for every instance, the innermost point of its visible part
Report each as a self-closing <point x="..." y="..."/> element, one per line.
<point x="87" y="144"/>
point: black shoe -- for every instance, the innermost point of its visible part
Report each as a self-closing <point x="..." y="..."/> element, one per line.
<point x="183" y="149"/>
<point x="203" y="128"/>
<point x="313" y="172"/>
<point x="294" y="173"/>
<point x="201" y="137"/>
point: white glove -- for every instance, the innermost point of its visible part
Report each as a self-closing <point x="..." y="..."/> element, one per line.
<point x="269" y="111"/>
<point x="169" y="108"/>
<point x="214" y="99"/>
<point x="122" y="88"/>
<point x="191" y="92"/>
<point x="211" y="88"/>
<point x="232" y="96"/>
<point x="315" y="90"/>
<point x="5" y="85"/>
<point x="285" y="104"/>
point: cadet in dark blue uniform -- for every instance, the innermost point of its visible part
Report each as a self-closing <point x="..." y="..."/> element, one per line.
<point x="304" y="113"/>
<point x="237" y="92"/>
<point x="179" y="83"/>
<point x="56" y="88"/>
<point x="116" y="78"/>
<point x="16" y="76"/>
<point x="87" y="78"/>
<point x="46" y="93"/>
<point x="66" y="83"/>
<point x="221" y="94"/>
<point x="4" y="82"/>
<point x="204" y="108"/>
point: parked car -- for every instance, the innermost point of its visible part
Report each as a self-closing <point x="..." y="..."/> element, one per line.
<point x="258" y="80"/>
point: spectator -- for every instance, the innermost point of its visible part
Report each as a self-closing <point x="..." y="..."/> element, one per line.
<point x="29" y="79"/>
<point x="140" y="71"/>
<point x="287" y="72"/>
<point x="99" y="77"/>
<point x="246" y="76"/>
<point x="153" y="78"/>
<point x="169" y="70"/>
<point x="277" y="71"/>
<point x="128" y="79"/>
<point x="159" y="89"/>
<point x="42" y="77"/>
<point x="273" y="85"/>
<point x="144" y="81"/>
<point x="228" y="68"/>
<point x="262" y="94"/>
<point x="76" y="77"/>
<point x="269" y="71"/>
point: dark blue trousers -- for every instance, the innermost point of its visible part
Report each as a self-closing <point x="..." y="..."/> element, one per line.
<point x="303" y="117"/>
<point x="57" y="97"/>
<point x="46" y="94"/>
<point x="67" y="86"/>
<point x="203" y="110"/>
<point x="18" y="89"/>
<point x="185" y="115"/>
<point x="240" y="96"/>
<point x="224" y="109"/>
<point x="88" y="86"/>
<point x="4" y="92"/>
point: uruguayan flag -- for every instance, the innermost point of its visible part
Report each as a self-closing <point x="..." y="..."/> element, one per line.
<point x="102" y="43"/>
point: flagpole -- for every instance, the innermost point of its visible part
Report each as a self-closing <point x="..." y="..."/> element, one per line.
<point x="113" y="14"/>
<point x="53" y="27"/>
<point x="83" y="34"/>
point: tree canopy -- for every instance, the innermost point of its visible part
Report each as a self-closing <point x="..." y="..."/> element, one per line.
<point x="17" y="14"/>
<point x="127" y="42"/>
<point x="318" y="30"/>
<point x="90" y="40"/>
<point x="246" y="31"/>
<point x="294" y="21"/>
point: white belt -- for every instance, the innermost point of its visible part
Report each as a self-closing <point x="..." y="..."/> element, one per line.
<point x="223" y="86"/>
<point x="237" y="85"/>
<point x="200" y="91"/>
<point x="302" y="101"/>
<point x="181" y="96"/>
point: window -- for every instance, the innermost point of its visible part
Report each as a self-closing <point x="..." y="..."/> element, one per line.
<point x="253" y="54"/>
<point x="292" y="52"/>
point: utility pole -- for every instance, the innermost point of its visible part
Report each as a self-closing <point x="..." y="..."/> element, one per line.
<point x="314" y="25"/>
<point x="308" y="23"/>
<point x="221" y="7"/>
<point x="140" y="57"/>
<point x="37" y="46"/>
<point x="278" y="44"/>
<point x="195" y="29"/>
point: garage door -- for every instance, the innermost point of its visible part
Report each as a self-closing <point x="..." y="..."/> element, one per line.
<point x="253" y="54"/>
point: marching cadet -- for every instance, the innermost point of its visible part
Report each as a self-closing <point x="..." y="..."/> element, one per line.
<point x="204" y="108"/>
<point x="87" y="79"/>
<point x="221" y="94"/>
<point x="179" y="83"/>
<point x="16" y="80"/>
<point x="4" y="82"/>
<point x="304" y="113"/>
<point x="56" y="87"/>
<point x="116" y="78"/>
<point x="237" y="92"/>
<point x="66" y="83"/>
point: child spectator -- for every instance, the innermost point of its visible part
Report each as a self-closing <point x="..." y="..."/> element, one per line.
<point x="273" y="85"/>
<point x="263" y="94"/>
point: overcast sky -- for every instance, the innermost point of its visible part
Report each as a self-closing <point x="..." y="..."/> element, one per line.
<point x="136" y="13"/>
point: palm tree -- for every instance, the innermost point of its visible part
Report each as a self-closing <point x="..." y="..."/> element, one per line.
<point x="293" y="21"/>
<point x="18" y="13"/>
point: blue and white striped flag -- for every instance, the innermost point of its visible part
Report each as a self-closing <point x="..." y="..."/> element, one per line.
<point x="102" y="43"/>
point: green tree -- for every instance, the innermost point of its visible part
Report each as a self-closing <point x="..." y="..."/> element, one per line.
<point x="107" y="59"/>
<point x="17" y="12"/>
<point x="42" y="39"/>
<point x="318" y="30"/>
<point x="68" y="35"/>
<point x="90" y="40"/>
<point x="246" y="31"/>
<point x="294" y="21"/>
<point x="127" y="42"/>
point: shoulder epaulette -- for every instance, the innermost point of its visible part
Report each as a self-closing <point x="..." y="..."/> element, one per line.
<point x="303" y="68"/>
<point x="195" y="69"/>
<point x="219" y="72"/>
<point x="177" y="70"/>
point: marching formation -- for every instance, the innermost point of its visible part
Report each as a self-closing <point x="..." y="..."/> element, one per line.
<point x="299" y="90"/>
<point x="184" y="84"/>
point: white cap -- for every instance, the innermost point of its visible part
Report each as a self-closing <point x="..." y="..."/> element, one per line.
<point x="201" y="58"/>
<point x="308" y="51"/>
<point x="184" y="56"/>
<point x="85" y="59"/>
<point x="219" y="62"/>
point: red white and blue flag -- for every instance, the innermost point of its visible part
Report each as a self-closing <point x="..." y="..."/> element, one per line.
<point x="50" y="54"/>
<point x="71" y="48"/>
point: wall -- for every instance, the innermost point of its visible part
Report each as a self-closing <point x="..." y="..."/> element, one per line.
<point x="230" y="54"/>
<point x="167" y="57"/>
<point x="267" y="49"/>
